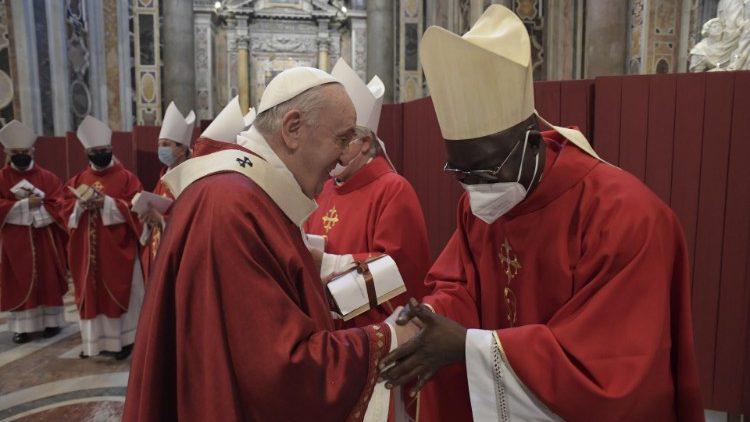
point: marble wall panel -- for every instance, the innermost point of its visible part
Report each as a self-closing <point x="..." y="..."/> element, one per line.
<point x="147" y="62"/>
<point x="410" y="79"/>
<point x="112" y="64"/>
<point x="7" y="90"/>
<point x="79" y="59"/>
<point x="43" y="67"/>
<point x="203" y="66"/>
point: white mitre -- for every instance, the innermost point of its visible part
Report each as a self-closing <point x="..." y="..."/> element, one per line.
<point x="249" y="117"/>
<point x="93" y="133"/>
<point x="16" y="135"/>
<point x="367" y="99"/>
<point x="290" y="83"/>
<point x="482" y="83"/>
<point x="175" y="127"/>
<point x="227" y="124"/>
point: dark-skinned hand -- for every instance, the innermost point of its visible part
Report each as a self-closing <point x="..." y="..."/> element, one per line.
<point x="441" y="342"/>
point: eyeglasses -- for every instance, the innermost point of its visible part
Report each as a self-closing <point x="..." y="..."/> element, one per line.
<point x="487" y="175"/>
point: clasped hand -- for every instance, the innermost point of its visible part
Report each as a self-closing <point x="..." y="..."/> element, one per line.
<point x="440" y="342"/>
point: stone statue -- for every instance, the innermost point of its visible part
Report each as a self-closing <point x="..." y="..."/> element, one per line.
<point x="741" y="56"/>
<point x="713" y="52"/>
<point x="726" y="39"/>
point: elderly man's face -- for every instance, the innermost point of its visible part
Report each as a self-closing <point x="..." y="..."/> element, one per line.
<point x="329" y="135"/>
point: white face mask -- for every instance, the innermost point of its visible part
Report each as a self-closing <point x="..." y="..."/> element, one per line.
<point x="337" y="170"/>
<point x="490" y="201"/>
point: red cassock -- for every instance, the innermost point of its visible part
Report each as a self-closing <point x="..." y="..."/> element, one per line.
<point x="376" y="210"/>
<point x="33" y="270"/>
<point x="102" y="257"/>
<point x="236" y="325"/>
<point x="597" y="271"/>
<point x="152" y="246"/>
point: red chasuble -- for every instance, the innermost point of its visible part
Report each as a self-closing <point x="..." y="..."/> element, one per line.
<point x="236" y="325"/>
<point x="33" y="270"/>
<point x="596" y="318"/>
<point x="149" y="250"/>
<point x="102" y="257"/>
<point x="376" y="210"/>
<point x="205" y="146"/>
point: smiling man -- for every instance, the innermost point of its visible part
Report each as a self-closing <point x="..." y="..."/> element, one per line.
<point x="570" y="275"/>
<point x="236" y="325"/>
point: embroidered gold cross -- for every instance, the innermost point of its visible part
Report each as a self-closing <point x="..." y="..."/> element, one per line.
<point x="510" y="265"/>
<point x="509" y="262"/>
<point x="330" y="219"/>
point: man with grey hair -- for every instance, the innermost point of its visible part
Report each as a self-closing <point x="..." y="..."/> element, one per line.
<point x="236" y="325"/>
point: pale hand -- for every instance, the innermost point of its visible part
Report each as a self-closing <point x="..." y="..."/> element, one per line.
<point x="405" y="332"/>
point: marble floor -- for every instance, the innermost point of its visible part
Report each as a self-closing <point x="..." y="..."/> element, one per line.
<point x="44" y="380"/>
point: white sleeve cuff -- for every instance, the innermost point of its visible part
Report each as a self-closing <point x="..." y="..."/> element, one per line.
<point x="495" y="391"/>
<point x="334" y="263"/>
<point x="75" y="216"/>
<point x="111" y="215"/>
<point x="19" y="214"/>
<point x="41" y="217"/>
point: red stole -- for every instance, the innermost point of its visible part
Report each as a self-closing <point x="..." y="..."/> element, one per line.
<point x="376" y="210"/>
<point x="236" y="325"/>
<point x="152" y="246"/>
<point x="599" y="279"/>
<point x="102" y="257"/>
<point x="33" y="270"/>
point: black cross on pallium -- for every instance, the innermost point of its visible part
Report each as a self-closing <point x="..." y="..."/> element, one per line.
<point x="244" y="161"/>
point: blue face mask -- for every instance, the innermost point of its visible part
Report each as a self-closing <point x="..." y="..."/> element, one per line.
<point x="166" y="156"/>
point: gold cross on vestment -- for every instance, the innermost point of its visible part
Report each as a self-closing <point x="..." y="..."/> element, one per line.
<point x="509" y="262"/>
<point x="330" y="219"/>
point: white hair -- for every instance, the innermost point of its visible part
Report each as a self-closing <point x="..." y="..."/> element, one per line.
<point x="309" y="103"/>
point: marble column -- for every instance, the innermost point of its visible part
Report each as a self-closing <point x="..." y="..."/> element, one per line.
<point x="606" y="38"/>
<point x="324" y="41"/>
<point x="476" y="10"/>
<point x="243" y="72"/>
<point x="178" y="53"/>
<point x="380" y="44"/>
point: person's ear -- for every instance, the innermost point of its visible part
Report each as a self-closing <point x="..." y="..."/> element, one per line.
<point x="366" y="145"/>
<point x="291" y="129"/>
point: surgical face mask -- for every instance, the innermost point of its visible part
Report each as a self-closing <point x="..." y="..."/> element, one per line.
<point x="101" y="159"/>
<point x="21" y="161"/>
<point x="491" y="201"/>
<point x="166" y="156"/>
<point x="337" y="170"/>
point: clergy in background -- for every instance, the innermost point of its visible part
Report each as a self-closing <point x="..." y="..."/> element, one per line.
<point x="174" y="148"/>
<point x="33" y="270"/>
<point x="103" y="247"/>
<point x="236" y="325"/>
<point x="222" y="133"/>
<point x="366" y="207"/>
<point x="571" y="276"/>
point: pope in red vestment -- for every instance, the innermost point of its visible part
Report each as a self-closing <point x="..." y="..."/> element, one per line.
<point x="103" y="248"/>
<point x="236" y="325"/>
<point x="566" y="285"/>
<point x="33" y="271"/>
